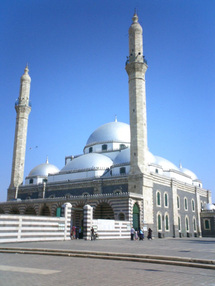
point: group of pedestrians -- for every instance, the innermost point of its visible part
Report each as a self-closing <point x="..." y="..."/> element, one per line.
<point x="139" y="234"/>
<point x="76" y="232"/>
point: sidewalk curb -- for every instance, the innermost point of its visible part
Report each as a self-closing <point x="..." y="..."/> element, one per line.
<point x="143" y="258"/>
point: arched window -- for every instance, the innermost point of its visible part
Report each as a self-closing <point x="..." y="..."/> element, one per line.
<point x="179" y="223"/>
<point x="158" y="198"/>
<point x="122" y="170"/>
<point x="185" y="204"/>
<point x="52" y="196"/>
<point x="159" y="222"/>
<point x="90" y="149"/>
<point x="117" y="192"/>
<point x="166" y="203"/>
<point x="85" y="194"/>
<point x="207" y="225"/>
<point x="156" y="171"/>
<point x="31" y="181"/>
<point x="193" y="205"/>
<point x="136" y="216"/>
<point x="122" y="146"/>
<point x="104" y="147"/>
<point x="187" y="223"/>
<point x="178" y="202"/>
<point x="194" y="224"/>
<point x="166" y="222"/>
<point x="121" y="216"/>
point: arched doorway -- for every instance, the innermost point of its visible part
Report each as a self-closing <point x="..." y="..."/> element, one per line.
<point x="45" y="211"/>
<point x="78" y="220"/>
<point x="136" y="217"/>
<point x="14" y="211"/>
<point x="30" y="211"/>
<point x="121" y="216"/>
<point x="103" y="211"/>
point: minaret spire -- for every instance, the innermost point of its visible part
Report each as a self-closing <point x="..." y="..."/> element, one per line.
<point x="23" y="110"/>
<point x="136" y="68"/>
<point x="135" y="17"/>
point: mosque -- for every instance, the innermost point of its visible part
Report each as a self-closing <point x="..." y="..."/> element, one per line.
<point x="116" y="174"/>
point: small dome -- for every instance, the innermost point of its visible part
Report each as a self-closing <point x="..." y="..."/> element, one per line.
<point x="88" y="161"/>
<point x="151" y="158"/>
<point x="209" y="207"/>
<point x="43" y="170"/>
<point x="135" y="26"/>
<point x="110" y="132"/>
<point x="26" y="76"/>
<point x="124" y="157"/>
<point x="165" y="164"/>
<point x="189" y="173"/>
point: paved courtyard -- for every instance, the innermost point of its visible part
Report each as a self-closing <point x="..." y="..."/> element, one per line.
<point x="21" y="269"/>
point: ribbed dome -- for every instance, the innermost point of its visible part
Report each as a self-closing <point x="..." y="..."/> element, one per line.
<point x="88" y="161"/>
<point x="189" y="173"/>
<point x="43" y="170"/>
<point x="165" y="164"/>
<point x="110" y="132"/>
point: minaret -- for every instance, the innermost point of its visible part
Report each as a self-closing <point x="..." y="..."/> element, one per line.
<point x="23" y="110"/>
<point x="136" y="68"/>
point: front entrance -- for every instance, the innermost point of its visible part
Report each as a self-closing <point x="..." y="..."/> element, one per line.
<point x="136" y="217"/>
<point x="78" y="216"/>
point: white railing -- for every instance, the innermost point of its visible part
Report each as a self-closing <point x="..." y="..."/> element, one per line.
<point x="111" y="229"/>
<point x="18" y="228"/>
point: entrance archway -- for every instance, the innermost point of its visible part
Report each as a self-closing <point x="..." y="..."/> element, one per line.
<point x="45" y="211"/>
<point x="30" y="211"/>
<point x="78" y="220"/>
<point x="103" y="211"/>
<point x="14" y="211"/>
<point x="136" y="217"/>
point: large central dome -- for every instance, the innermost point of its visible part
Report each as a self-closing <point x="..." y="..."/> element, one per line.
<point x="110" y="132"/>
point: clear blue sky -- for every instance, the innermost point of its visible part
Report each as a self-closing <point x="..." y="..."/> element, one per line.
<point x="76" y="51"/>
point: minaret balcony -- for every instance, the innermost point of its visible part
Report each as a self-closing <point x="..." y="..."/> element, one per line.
<point x="22" y="103"/>
<point x="138" y="58"/>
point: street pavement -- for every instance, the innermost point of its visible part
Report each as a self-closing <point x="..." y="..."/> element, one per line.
<point x="23" y="269"/>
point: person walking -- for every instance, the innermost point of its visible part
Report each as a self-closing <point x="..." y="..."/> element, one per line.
<point x="136" y="235"/>
<point x="149" y="234"/>
<point x="141" y="234"/>
<point x="92" y="234"/>
<point x="73" y="232"/>
<point x="132" y="233"/>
